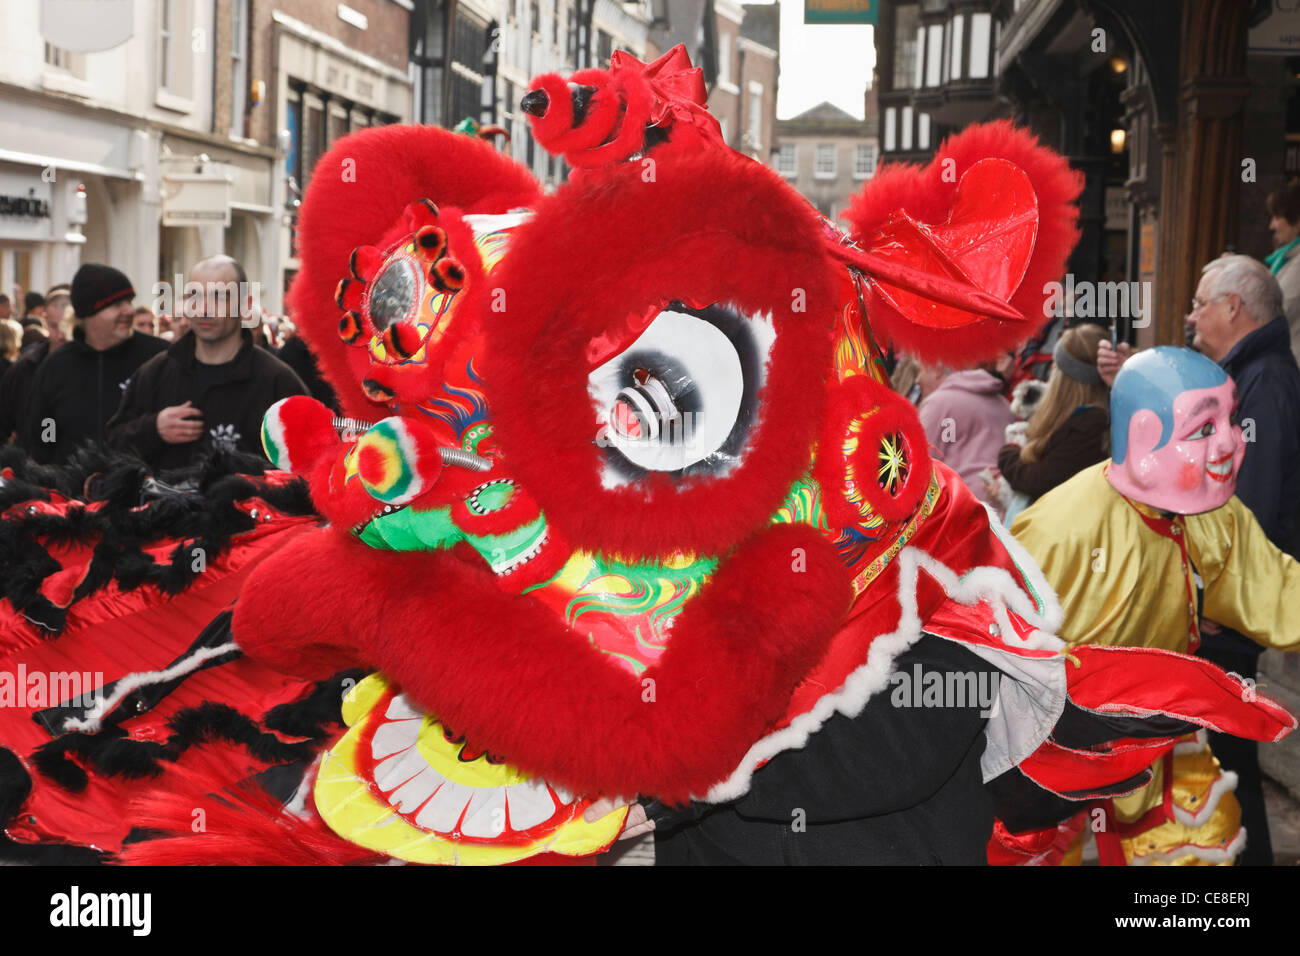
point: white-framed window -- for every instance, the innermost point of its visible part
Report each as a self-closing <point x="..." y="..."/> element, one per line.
<point x="167" y="42"/>
<point x="824" y="165"/>
<point x="891" y="118"/>
<point x="906" y="137"/>
<point x="958" y="22"/>
<point x="981" y="31"/>
<point x="175" y="63"/>
<point x="724" y="60"/>
<point x="787" y="160"/>
<point x="65" y="71"/>
<point x="756" y="116"/>
<point x="905" y="52"/>
<point x="923" y="131"/>
<point x="933" y="54"/>
<point x="947" y="51"/>
<point x="238" y="66"/>
<point x="864" y="160"/>
<point x="919" y="68"/>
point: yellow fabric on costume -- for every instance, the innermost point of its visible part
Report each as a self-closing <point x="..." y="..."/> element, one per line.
<point x="1120" y="582"/>
<point x="1213" y="841"/>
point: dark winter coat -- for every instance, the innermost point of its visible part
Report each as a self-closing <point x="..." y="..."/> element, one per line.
<point x="232" y="409"/>
<point x="16" y="390"/>
<point x="295" y="354"/>
<point x="76" y="391"/>
<point x="1268" y="409"/>
<point x="1080" y="441"/>
<point x="895" y="786"/>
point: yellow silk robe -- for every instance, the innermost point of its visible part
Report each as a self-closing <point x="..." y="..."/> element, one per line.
<point x="1122" y="582"/>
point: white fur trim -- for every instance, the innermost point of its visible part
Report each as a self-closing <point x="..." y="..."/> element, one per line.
<point x="994" y="585"/>
<point x="1051" y="614"/>
<point x="484" y="223"/>
<point x="132" y="682"/>
<point x="1201" y="742"/>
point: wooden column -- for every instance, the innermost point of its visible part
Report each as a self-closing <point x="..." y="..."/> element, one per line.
<point x="1201" y="176"/>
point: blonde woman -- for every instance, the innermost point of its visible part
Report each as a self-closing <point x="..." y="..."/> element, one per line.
<point x="1070" y="428"/>
<point x="11" y="336"/>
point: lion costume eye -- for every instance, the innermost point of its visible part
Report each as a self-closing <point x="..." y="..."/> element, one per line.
<point x="682" y="398"/>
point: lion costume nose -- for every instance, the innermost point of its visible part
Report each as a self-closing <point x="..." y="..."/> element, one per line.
<point x="535" y="103"/>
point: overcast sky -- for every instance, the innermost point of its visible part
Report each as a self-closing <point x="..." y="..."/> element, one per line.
<point x="822" y="62"/>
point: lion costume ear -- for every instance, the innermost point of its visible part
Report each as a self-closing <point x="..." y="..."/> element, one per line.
<point x="991" y="221"/>
<point x="361" y="192"/>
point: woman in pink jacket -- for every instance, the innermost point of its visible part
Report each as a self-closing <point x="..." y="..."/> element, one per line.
<point x="965" y="421"/>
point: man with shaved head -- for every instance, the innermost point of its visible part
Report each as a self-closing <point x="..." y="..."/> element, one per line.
<point x="209" y="390"/>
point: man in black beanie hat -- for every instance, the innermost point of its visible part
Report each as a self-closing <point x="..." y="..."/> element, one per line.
<point x="80" y="385"/>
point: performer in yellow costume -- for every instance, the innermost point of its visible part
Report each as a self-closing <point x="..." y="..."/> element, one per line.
<point x="1133" y="545"/>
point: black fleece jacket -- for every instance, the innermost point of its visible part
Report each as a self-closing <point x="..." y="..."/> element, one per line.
<point x="232" y="405"/>
<point x="75" y="392"/>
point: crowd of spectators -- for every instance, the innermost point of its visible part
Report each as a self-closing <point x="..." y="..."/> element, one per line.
<point x="86" y="364"/>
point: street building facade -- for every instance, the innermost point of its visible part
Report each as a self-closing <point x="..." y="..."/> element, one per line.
<point x="164" y="131"/>
<point x="827" y="155"/>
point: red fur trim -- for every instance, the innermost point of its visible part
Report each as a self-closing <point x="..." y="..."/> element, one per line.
<point x="631" y="123"/>
<point x="927" y="195"/>
<point x="309" y="433"/>
<point x="609" y="248"/>
<point x="284" y="620"/>
<point x="602" y="113"/>
<point x="506" y="671"/>
<point x="885" y="413"/>
<point x="393" y="165"/>
<point x="558" y="118"/>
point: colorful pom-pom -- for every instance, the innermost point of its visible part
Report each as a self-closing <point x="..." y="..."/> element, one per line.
<point x="430" y="242"/>
<point x="296" y="432"/>
<point x="447" y="275"/>
<point x="398" y="460"/>
<point x="420" y="213"/>
<point x="350" y="327"/>
<point x="365" y="262"/>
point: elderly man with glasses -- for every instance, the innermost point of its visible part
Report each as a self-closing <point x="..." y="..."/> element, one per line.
<point x="1237" y="320"/>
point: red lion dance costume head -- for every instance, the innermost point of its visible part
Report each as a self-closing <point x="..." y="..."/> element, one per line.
<point x="634" y="508"/>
